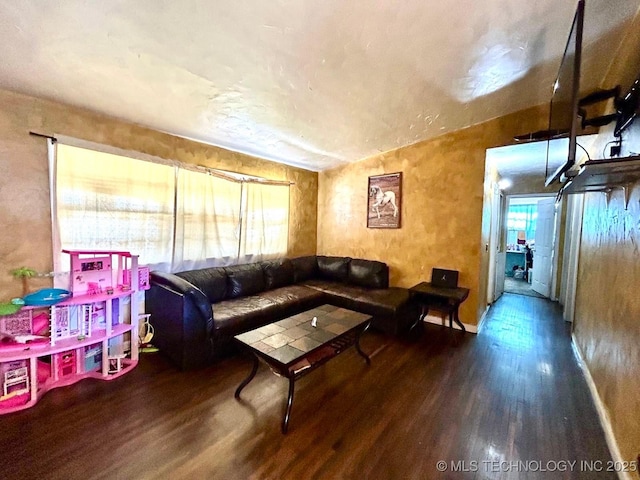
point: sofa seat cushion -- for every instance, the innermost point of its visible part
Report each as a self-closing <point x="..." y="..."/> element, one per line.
<point x="372" y="301"/>
<point x="391" y="300"/>
<point x="292" y="294"/>
<point x="238" y="315"/>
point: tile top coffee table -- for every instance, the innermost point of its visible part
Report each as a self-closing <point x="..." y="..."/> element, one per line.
<point x="299" y="344"/>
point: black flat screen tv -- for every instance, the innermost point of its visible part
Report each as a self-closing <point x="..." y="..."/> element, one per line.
<point x="563" y="112"/>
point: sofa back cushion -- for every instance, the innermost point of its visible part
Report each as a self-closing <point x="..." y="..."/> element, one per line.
<point x="368" y="273"/>
<point x="212" y="282"/>
<point x="277" y="273"/>
<point x="334" y="268"/>
<point x="304" y="268"/>
<point x="244" y="280"/>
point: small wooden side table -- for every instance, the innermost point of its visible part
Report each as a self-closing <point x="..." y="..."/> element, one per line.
<point x="439" y="298"/>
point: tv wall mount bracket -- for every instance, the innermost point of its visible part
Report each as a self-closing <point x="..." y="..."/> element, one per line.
<point x="597" y="97"/>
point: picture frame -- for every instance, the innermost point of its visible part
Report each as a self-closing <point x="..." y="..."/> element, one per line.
<point x="384" y="200"/>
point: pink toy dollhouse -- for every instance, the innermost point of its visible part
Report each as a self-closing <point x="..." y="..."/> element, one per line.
<point x="92" y="334"/>
<point x="66" y="363"/>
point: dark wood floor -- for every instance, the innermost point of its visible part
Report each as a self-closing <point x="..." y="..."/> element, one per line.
<point x="512" y="393"/>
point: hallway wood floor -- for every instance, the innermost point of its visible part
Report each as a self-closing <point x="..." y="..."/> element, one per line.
<point x="521" y="287"/>
<point x="512" y="393"/>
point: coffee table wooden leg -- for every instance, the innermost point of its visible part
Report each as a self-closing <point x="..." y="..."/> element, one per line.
<point x="287" y="413"/>
<point x="358" y="349"/>
<point x="246" y="381"/>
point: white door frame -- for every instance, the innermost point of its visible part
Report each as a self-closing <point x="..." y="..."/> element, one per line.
<point x="494" y="243"/>
<point x="556" y="236"/>
<point x="573" y="235"/>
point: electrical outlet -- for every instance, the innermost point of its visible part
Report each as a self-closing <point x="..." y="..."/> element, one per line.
<point x="615" y="150"/>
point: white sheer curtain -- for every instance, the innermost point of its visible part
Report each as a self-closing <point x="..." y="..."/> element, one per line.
<point x="265" y="221"/>
<point x="174" y="218"/>
<point x="207" y="221"/>
<point x="109" y="202"/>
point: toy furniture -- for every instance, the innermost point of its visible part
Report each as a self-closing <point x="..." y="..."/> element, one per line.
<point x="15" y="378"/>
<point x="92" y="334"/>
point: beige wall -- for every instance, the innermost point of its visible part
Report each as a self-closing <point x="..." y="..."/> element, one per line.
<point x="607" y="313"/>
<point x="441" y="207"/>
<point x="24" y="191"/>
<point x="607" y="318"/>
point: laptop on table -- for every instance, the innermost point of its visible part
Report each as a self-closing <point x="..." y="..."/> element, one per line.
<point x="444" y="278"/>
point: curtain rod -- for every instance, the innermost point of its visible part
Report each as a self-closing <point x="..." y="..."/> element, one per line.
<point x="231" y="176"/>
<point x="43" y="135"/>
<point x="211" y="171"/>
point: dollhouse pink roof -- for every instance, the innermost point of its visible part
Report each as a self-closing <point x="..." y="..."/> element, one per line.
<point x="96" y="252"/>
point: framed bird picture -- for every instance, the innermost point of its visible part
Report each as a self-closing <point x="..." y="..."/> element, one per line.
<point x="384" y="201"/>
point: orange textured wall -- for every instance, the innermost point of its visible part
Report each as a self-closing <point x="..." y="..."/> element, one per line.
<point x="607" y="316"/>
<point x="24" y="183"/>
<point x="607" y="311"/>
<point x="442" y="204"/>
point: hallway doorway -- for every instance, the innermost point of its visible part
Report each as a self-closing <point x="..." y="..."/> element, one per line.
<point x="529" y="238"/>
<point x="518" y="171"/>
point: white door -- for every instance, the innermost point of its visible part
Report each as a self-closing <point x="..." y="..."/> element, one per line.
<point x="542" y="256"/>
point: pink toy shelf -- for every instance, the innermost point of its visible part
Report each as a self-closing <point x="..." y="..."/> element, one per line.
<point x="92" y="334"/>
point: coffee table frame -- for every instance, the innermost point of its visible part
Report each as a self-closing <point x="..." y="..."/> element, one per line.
<point x="315" y="358"/>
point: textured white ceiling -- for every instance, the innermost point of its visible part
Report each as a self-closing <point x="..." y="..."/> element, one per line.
<point x="530" y="159"/>
<point x="309" y="83"/>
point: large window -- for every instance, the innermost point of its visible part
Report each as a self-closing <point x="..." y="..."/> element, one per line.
<point x="207" y="221"/>
<point x="265" y="220"/>
<point x="176" y="218"/>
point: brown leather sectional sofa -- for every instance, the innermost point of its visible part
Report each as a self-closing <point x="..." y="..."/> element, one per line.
<point x="196" y="313"/>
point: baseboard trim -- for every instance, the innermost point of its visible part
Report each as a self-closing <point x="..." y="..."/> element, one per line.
<point x="436" y="320"/>
<point x="603" y="414"/>
<point x="483" y="318"/>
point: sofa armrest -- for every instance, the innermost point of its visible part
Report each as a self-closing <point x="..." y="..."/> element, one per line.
<point x="182" y="318"/>
<point x="181" y="286"/>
